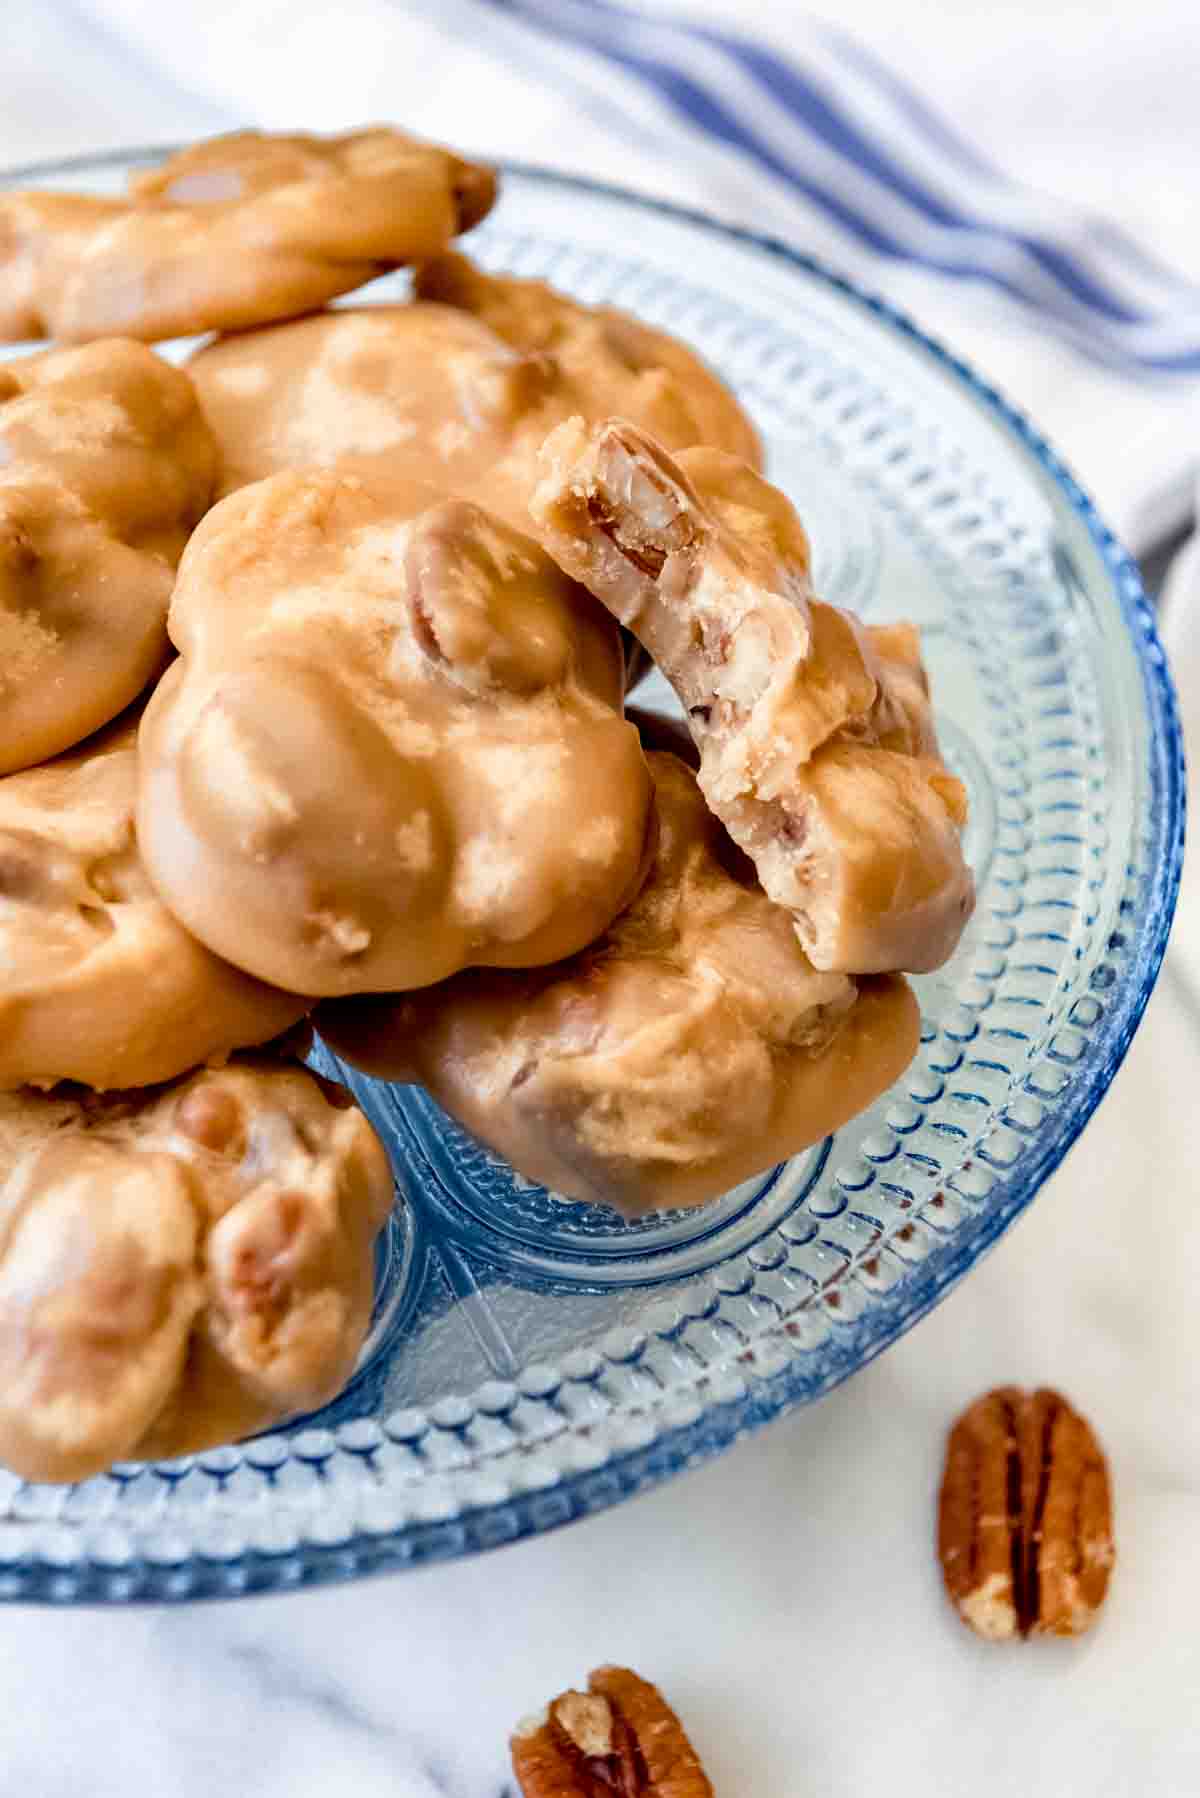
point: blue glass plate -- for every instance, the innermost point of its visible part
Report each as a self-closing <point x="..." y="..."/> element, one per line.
<point x="532" y="1361"/>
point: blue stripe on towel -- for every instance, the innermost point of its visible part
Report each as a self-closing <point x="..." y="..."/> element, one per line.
<point x="795" y="117"/>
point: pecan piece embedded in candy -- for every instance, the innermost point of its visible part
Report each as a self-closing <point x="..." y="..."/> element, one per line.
<point x="643" y="512"/>
<point x="646" y="555"/>
<point x="1025" y="1517"/>
<point x="619" y="1739"/>
<point x="210" y="1117"/>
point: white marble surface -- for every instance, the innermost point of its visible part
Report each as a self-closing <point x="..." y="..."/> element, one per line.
<point x="786" y="1596"/>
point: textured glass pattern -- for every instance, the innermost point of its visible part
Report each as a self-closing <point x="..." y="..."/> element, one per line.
<point x="532" y="1361"/>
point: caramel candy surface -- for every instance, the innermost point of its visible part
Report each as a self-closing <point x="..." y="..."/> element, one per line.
<point x="691" y="1046"/>
<point x="432" y="392"/>
<point x="105" y="467"/>
<point x="179" y="1267"/>
<point x="816" y="737"/>
<point x="98" y="981"/>
<point x="231" y="232"/>
<point x="392" y="745"/>
<point x="453" y="392"/>
<point x="653" y="377"/>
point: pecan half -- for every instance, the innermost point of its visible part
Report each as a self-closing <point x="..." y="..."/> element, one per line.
<point x="619" y="1739"/>
<point x="1025" y="1517"/>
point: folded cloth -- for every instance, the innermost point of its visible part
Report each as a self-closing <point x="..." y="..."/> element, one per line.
<point x="790" y="126"/>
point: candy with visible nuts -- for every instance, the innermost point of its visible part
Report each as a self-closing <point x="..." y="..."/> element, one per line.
<point x="619" y="1739"/>
<point x="689" y="1047"/>
<point x="607" y="363"/>
<point x="654" y="379"/>
<point x="442" y="395"/>
<point x="392" y="745"/>
<point x="816" y="738"/>
<point x="105" y="466"/>
<point x="1025" y="1534"/>
<point x="181" y="1266"/>
<point x="433" y="391"/>
<point x="231" y="232"/>
<point x="99" y="982"/>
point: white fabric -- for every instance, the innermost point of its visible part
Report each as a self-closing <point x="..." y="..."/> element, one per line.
<point x="786" y="1596"/>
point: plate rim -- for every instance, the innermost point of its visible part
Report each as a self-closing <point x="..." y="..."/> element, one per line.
<point x="766" y="1394"/>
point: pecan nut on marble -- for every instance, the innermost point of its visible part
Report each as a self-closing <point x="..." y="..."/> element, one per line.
<point x="619" y="1739"/>
<point x="1025" y="1532"/>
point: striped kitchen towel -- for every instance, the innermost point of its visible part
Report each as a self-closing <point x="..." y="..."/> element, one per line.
<point x="830" y="123"/>
<point x="785" y="124"/>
